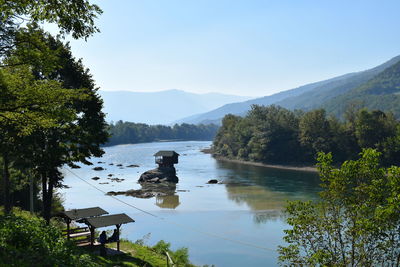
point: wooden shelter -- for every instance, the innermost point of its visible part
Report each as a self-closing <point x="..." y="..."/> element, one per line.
<point x="77" y="214"/>
<point x="104" y="221"/>
<point x="93" y="218"/>
<point x="166" y="158"/>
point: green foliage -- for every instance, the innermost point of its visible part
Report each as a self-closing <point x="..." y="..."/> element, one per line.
<point x="357" y="221"/>
<point x="74" y="17"/>
<point x="276" y="135"/>
<point x="130" y="133"/>
<point x="26" y="239"/>
<point x="162" y="246"/>
<point x="380" y="92"/>
<point x="50" y="113"/>
<point x="266" y="134"/>
<point x="180" y="257"/>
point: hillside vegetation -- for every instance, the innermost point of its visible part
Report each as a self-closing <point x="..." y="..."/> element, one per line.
<point x="382" y="92"/>
<point x="334" y="95"/>
<point x="276" y="135"/>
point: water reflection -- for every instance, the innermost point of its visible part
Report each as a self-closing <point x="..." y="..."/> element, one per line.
<point x="265" y="190"/>
<point x="261" y="217"/>
<point x="167" y="201"/>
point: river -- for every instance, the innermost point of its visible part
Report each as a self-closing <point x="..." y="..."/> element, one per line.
<point x="236" y="223"/>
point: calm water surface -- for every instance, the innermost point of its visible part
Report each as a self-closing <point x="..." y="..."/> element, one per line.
<point x="207" y="219"/>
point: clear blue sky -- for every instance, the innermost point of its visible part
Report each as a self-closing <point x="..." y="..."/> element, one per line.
<point x="244" y="47"/>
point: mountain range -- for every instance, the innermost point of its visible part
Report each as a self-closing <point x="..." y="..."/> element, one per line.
<point x="376" y="88"/>
<point x="162" y="107"/>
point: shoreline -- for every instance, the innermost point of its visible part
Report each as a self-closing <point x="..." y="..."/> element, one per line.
<point x="274" y="166"/>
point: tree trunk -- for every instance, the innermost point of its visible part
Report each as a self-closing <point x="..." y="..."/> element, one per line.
<point x="6" y="183"/>
<point x="44" y="194"/>
<point x="48" y="195"/>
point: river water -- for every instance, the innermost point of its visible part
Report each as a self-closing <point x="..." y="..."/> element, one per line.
<point x="236" y="223"/>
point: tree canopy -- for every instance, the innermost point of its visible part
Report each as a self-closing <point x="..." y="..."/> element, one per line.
<point x="276" y="135"/>
<point x="50" y="113"/>
<point x="356" y="222"/>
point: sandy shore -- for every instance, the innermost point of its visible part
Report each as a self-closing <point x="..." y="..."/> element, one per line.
<point x="284" y="167"/>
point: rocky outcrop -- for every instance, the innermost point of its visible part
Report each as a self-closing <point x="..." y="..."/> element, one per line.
<point x="148" y="190"/>
<point x="159" y="175"/>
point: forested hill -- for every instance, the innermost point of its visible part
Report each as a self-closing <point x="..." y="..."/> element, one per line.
<point x="277" y="135"/>
<point x="305" y="97"/>
<point x="131" y="133"/>
<point x="382" y="92"/>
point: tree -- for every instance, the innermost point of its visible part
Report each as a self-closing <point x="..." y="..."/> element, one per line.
<point x="314" y="132"/>
<point x="356" y="222"/>
<point x="372" y="127"/>
<point x="72" y="139"/>
<point x="75" y="17"/>
<point x="275" y="132"/>
<point x="28" y="103"/>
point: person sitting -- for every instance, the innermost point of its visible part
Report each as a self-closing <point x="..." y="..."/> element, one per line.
<point x="114" y="237"/>
<point x="103" y="238"/>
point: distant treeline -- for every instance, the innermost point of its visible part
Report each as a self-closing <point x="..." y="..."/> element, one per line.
<point x="276" y="135"/>
<point x="130" y="133"/>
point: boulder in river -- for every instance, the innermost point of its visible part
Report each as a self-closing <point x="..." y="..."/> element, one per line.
<point x="159" y="175"/>
<point x="148" y="190"/>
<point x="132" y="166"/>
<point x="98" y="168"/>
<point x="213" y="181"/>
<point x="96" y="178"/>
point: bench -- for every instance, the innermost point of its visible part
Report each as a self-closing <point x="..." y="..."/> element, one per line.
<point x="74" y="234"/>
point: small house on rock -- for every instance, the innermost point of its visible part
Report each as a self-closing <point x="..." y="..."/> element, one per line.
<point x="166" y="158"/>
<point x="165" y="172"/>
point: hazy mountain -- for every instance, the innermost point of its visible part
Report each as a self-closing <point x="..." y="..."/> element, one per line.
<point x="304" y="97"/>
<point x="162" y="107"/>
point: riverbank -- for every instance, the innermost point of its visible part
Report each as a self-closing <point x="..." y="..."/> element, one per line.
<point x="275" y="166"/>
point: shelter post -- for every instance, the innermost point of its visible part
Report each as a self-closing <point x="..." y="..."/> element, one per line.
<point x="68" y="222"/>
<point x="118" y="226"/>
<point x="91" y="235"/>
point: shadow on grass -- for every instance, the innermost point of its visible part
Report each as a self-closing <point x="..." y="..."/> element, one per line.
<point x="113" y="260"/>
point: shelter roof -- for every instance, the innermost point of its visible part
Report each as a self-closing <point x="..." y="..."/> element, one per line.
<point x="108" y="220"/>
<point x="166" y="153"/>
<point x="75" y="214"/>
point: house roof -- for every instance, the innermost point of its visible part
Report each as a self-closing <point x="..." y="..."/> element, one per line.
<point x="108" y="220"/>
<point x="166" y="153"/>
<point x="75" y="214"/>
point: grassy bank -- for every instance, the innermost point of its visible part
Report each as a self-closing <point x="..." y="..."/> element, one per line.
<point x="275" y="166"/>
<point x="27" y="239"/>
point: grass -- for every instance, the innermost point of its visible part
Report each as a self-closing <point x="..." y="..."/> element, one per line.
<point x="135" y="255"/>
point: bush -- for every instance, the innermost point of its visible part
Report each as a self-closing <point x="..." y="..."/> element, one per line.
<point x="356" y="222"/>
<point x="26" y="240"/>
